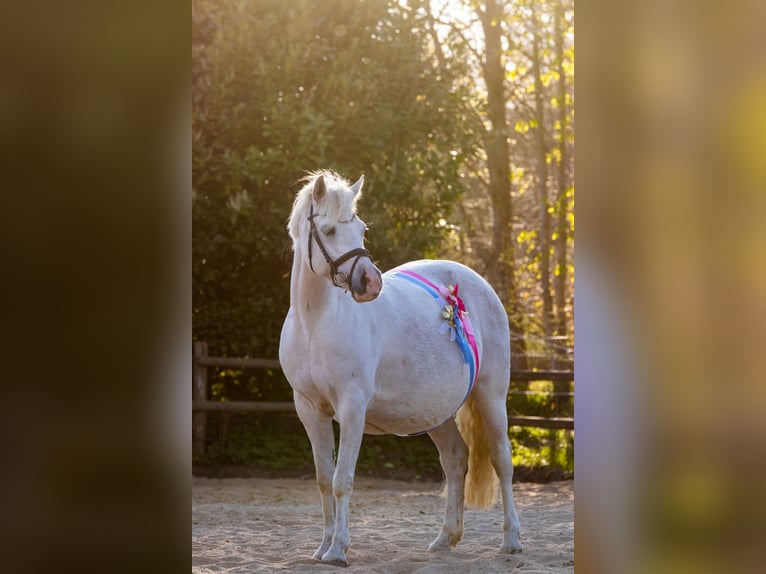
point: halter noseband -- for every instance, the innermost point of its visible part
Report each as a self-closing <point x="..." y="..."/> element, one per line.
<point x="338" y="277"/>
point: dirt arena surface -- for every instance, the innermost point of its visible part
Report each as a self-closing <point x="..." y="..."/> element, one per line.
<point x="274" y="525"/>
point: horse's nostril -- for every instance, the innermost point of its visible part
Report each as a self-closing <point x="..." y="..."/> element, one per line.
<point x="363" y="281"/>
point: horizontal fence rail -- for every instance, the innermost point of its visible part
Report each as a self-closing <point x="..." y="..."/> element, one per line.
<point x="201" y="405"/>
<point x="542" y="422"/>
<point x="244" y="406"/>
<point x="205" y="361"/>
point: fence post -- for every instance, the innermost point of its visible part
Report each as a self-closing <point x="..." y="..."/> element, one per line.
<point x="199" y="393"/>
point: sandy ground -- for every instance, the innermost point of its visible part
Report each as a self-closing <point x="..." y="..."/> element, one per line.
<point x="274" y="525"/>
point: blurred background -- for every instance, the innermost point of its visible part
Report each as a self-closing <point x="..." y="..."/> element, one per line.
<point x="671" y="287"/>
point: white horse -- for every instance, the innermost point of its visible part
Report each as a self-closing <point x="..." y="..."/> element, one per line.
<point x="402" y="363"/>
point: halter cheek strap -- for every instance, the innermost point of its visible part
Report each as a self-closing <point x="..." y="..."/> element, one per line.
<point x="338" y="277"/>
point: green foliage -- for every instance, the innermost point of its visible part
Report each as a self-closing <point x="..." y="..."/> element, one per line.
<point x="280" y="88"/>
<point x="249" y="385"/>
<point x="533" y="447"/>
<point x="271" y="442"/>
<point x="543" y="448"/>
<point x="539" y="400"/>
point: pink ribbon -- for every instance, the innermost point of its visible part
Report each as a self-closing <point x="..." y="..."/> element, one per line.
<point x="452" y="297"/>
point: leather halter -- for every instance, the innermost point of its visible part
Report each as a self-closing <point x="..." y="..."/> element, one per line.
<point x="339" y="278"/>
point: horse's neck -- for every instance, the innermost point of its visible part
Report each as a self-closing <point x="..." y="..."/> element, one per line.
<point x="311" y="295"/>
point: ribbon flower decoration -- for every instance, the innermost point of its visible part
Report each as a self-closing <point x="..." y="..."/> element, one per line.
<point x="454" y="313"/>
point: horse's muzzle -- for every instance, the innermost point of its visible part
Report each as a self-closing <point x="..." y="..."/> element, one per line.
<point x="366" y="282"/>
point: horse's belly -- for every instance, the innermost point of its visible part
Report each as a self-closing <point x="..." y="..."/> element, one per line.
<point x="411" y="407"/>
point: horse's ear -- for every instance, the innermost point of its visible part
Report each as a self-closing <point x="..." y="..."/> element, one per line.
<point x="357" y="187"/>
<point x="320" y="189"/>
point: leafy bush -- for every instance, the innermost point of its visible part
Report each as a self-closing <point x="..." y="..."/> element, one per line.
<point x="280" y="88"/>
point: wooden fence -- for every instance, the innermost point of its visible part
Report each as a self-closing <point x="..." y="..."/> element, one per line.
<point x="201" y="405"/>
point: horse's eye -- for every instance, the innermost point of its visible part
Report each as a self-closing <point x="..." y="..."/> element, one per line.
<point x="330" y="232"/>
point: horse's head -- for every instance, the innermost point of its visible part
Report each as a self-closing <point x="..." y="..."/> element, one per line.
<point x="334" y="235"/>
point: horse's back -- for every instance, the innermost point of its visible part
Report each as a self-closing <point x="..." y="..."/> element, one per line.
<point x="484" y="306"/>
<point x="447" y="273"/>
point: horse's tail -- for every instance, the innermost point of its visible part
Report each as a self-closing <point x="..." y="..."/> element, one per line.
<point x="481" y="481"/>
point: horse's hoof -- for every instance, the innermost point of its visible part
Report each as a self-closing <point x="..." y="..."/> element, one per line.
<point x="443" y="543"/>
<point x="440" y="547"/>
<point x="335" y="557"/>
<point x="513" y="547"/>
<point x="339" y="562"/>
<point x="335" y="561"/>
<point x="322" y="550"/>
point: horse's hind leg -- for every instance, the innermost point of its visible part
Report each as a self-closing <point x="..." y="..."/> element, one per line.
<point x="453" y="455"/>
<point x="319" y="428"/>
<point x="495" y="416"/>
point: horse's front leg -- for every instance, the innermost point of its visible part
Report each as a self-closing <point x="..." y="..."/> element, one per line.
<point x="351" y="416"/>
<point x="318" y="426"/>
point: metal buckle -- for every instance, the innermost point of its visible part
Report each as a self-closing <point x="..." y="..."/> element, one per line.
<point x="340" y="279"/>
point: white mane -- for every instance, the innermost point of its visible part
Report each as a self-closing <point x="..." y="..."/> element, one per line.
<point x="338" y="205"/>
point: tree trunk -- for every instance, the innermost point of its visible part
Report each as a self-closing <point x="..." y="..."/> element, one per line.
<point x="501" y="270"/>
<point x="544" y="240"/>
<point x="562" y="230"/>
